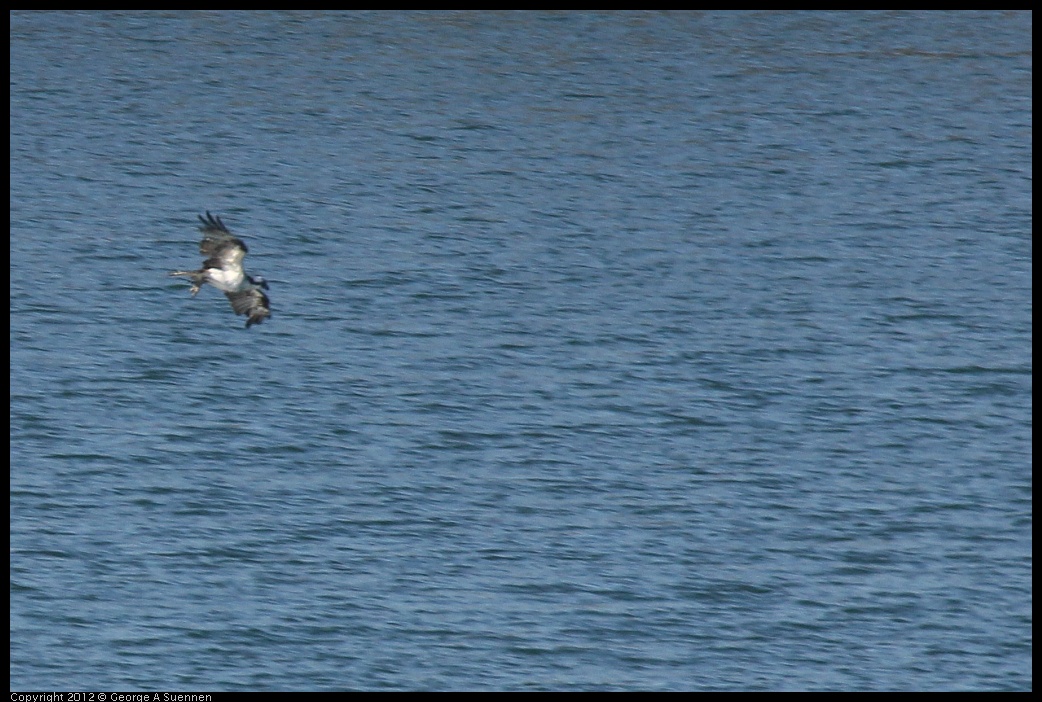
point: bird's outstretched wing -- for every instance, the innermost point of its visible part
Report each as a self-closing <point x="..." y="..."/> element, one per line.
<point x="251" y="302"/>
<point x="225" y="250"/>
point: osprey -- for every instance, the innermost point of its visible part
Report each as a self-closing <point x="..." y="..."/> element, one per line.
<point x="223" y="270"/>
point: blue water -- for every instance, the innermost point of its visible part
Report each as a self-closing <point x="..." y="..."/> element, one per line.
<point x="625" y="351"/>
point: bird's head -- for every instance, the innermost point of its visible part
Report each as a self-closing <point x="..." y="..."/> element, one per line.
<point x="258" y="280"/>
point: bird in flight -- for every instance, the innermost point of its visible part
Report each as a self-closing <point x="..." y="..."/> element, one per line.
<point x="223" y="270"/>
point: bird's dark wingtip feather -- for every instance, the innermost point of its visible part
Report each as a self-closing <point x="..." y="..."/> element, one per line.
<point x="212" y="222"/>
